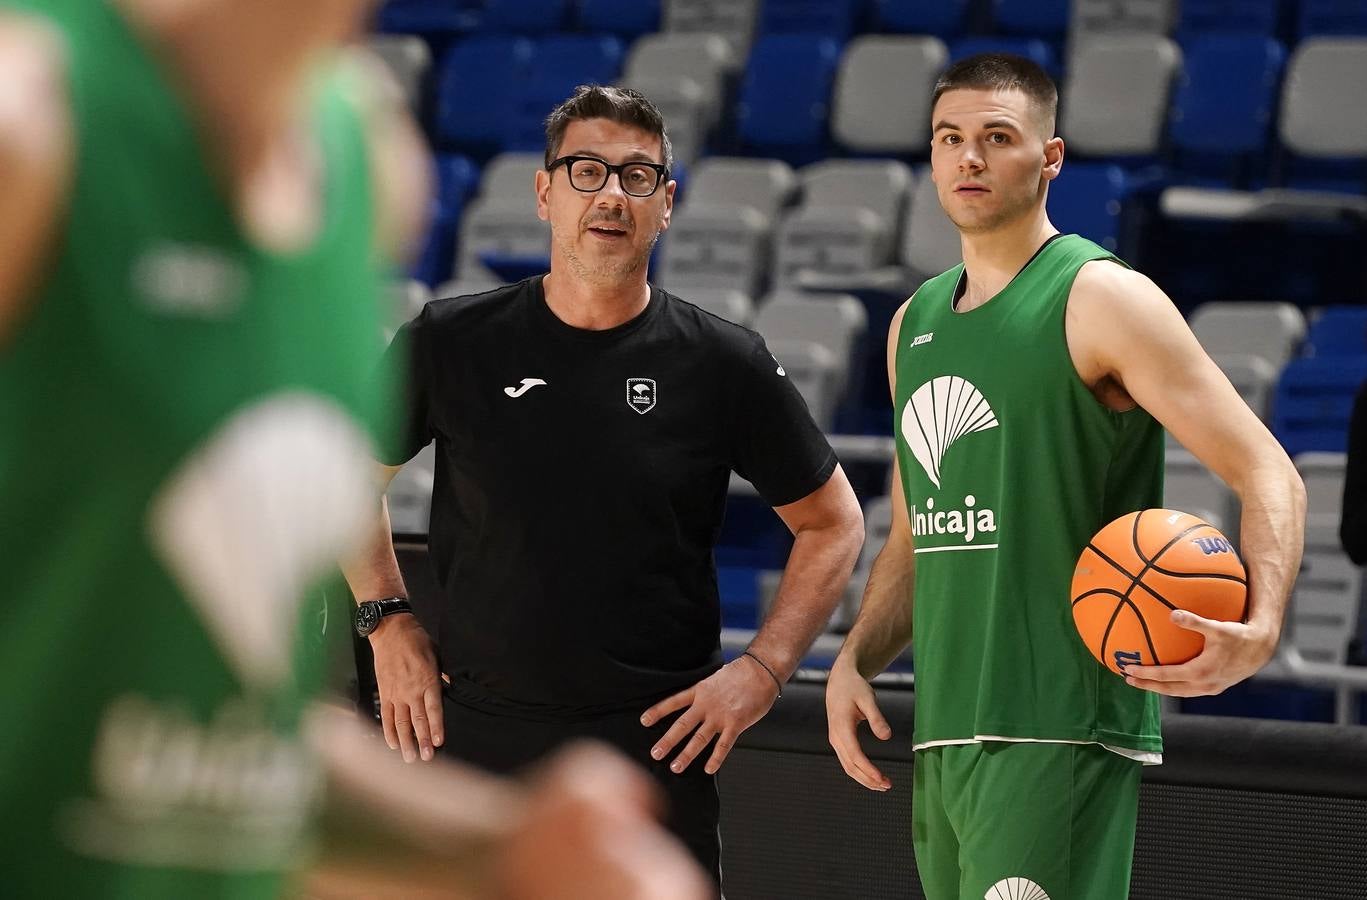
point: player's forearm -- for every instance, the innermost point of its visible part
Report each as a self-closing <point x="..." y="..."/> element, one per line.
<point x="883" y="627"/>
<point x="813" y="582"/>
<point x="373" y="572"/>
<point x="410" y="827"/>
<point x="1272" y="538"/>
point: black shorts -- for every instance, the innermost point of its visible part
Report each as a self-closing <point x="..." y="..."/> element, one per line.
<point x="505" y="744"/>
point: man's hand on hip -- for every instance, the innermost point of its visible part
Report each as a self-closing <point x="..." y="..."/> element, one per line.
<point x="720" y="706"/>
<point x="410" y="689"/>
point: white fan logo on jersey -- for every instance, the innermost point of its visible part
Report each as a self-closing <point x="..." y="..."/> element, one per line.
<point x="940" y="412"/>
<point x="252" y="517"/>
<point x="1015" y="889"/>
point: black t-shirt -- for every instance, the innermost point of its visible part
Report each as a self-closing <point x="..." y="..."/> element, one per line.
<point x="580" y="485"/>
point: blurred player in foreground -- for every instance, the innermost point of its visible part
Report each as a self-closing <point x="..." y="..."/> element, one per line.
<point x="198" y="197"/>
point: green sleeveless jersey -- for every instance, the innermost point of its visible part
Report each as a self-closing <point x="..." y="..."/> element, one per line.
<point x="185" y="431"/>
<point x="1010" y="465"/>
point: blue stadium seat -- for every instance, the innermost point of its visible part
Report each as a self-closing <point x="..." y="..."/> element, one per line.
<point x="1036" y="50"/>
<point x="1253" y="18"/>
<point x="476" y="86"/>
<point x="785" y="96"/>
<point x="833" y="18"/>
<point x="1332" y="17"/>
<point x="1037" y="18"/>
<point x="526" y="17"/>
<point x="944" y="19"/>
<point x="1087" y="199"/>
<point x="1314" y="400"/>
<point x="1339" y="331"/>
<point x="457" y="177"/>
<point x="563" y="62"/>
<point x="1223" y="107"/>
<point x="625" y="18"/>
<point x="427" y="18"/>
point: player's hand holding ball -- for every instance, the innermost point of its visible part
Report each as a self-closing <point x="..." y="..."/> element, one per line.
<point x="1160" y="597"/>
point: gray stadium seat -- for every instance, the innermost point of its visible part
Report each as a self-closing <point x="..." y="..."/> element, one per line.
<point x="815" y="372"/>
<point x="731" y="305"/>
<point x="510" y="179"/>
<point x="408" y="59"/>
<point x="881" y="102"/>
<point x="732" y="19"/>
<point x="1323" y="114"/>
<point x="493" y="228"/>
<point x="410" y="494"/>
<point x="1323" y="475"/>
<point x="1271" y="331"/>
<point x="1323" y="111"/>
<point x="1324" y="606"/>
<point x="878" y="185"/>
<point x="829" y="241"/>
<point x="686" y="108"/>
<point x="766" y="185"/>
<point x="836" y="321"/>
<point x="1192" y="488"/>
<point x="1253" y="377"/>
<point x="1115" y="96"/>
<point x="705" y="59"/>
<point x="1128" y="16"/>
<point x="930" y="242"/>
<point x="715" y="247"/>
<point x="845" y="232"/>
<point x="1326" y="600"/>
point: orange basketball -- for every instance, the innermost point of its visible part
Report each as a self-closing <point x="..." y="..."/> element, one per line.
<point x="1141" y="567"/>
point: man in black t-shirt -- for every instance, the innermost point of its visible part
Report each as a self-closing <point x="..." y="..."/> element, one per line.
<point x="587" y="424"/>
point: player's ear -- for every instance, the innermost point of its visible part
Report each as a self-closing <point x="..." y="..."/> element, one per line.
<point x="1053" y="158"/>
<point x="543" y="190"/>
<point x="668" y="212"/>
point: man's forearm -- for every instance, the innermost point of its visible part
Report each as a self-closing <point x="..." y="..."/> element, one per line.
<point x="814" y="579"/>
<point x="373" y="572"/>
<point x="415" y="827"/>
<point x="1272" y="538"/>
<point x="883" y="627"/>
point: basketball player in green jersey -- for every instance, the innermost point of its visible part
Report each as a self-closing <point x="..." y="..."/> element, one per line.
<point x="1029" y="384"/>
<point x="198" y="196"/>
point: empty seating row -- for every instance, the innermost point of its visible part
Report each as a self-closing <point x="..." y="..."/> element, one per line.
<point x="740" y="20"/>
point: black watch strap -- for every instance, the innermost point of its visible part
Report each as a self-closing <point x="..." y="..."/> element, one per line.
<point x="370" y="612"/>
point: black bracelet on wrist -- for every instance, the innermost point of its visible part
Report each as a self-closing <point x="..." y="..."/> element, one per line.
<point x="765" y="666"/>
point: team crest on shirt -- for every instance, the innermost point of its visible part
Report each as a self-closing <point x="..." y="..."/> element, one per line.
<point x="1015" y="889"/>
<point x="641" y="394"/>
<point x="938" y="414"/>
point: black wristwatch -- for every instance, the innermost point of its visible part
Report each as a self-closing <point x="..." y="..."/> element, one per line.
<point x="369" y="613"/>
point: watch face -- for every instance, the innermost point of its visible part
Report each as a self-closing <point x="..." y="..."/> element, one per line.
<point x="367" y="617"/>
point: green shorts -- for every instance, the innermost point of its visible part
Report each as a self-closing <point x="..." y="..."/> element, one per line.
<point x="1033" y="821"/>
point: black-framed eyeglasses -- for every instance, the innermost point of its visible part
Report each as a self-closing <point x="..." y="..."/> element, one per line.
<point x="589" y="174"/>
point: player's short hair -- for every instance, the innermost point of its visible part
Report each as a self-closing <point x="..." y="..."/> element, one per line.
<point x="1001" y="72"/>
<point x="621" y="105"/>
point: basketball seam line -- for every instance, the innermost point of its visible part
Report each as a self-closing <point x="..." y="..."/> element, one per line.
<point x="1149" y="564"/>
<point x="1162" y="571"/>
<point x="1134" y="579"/>
<point x="1143" y="625"/>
